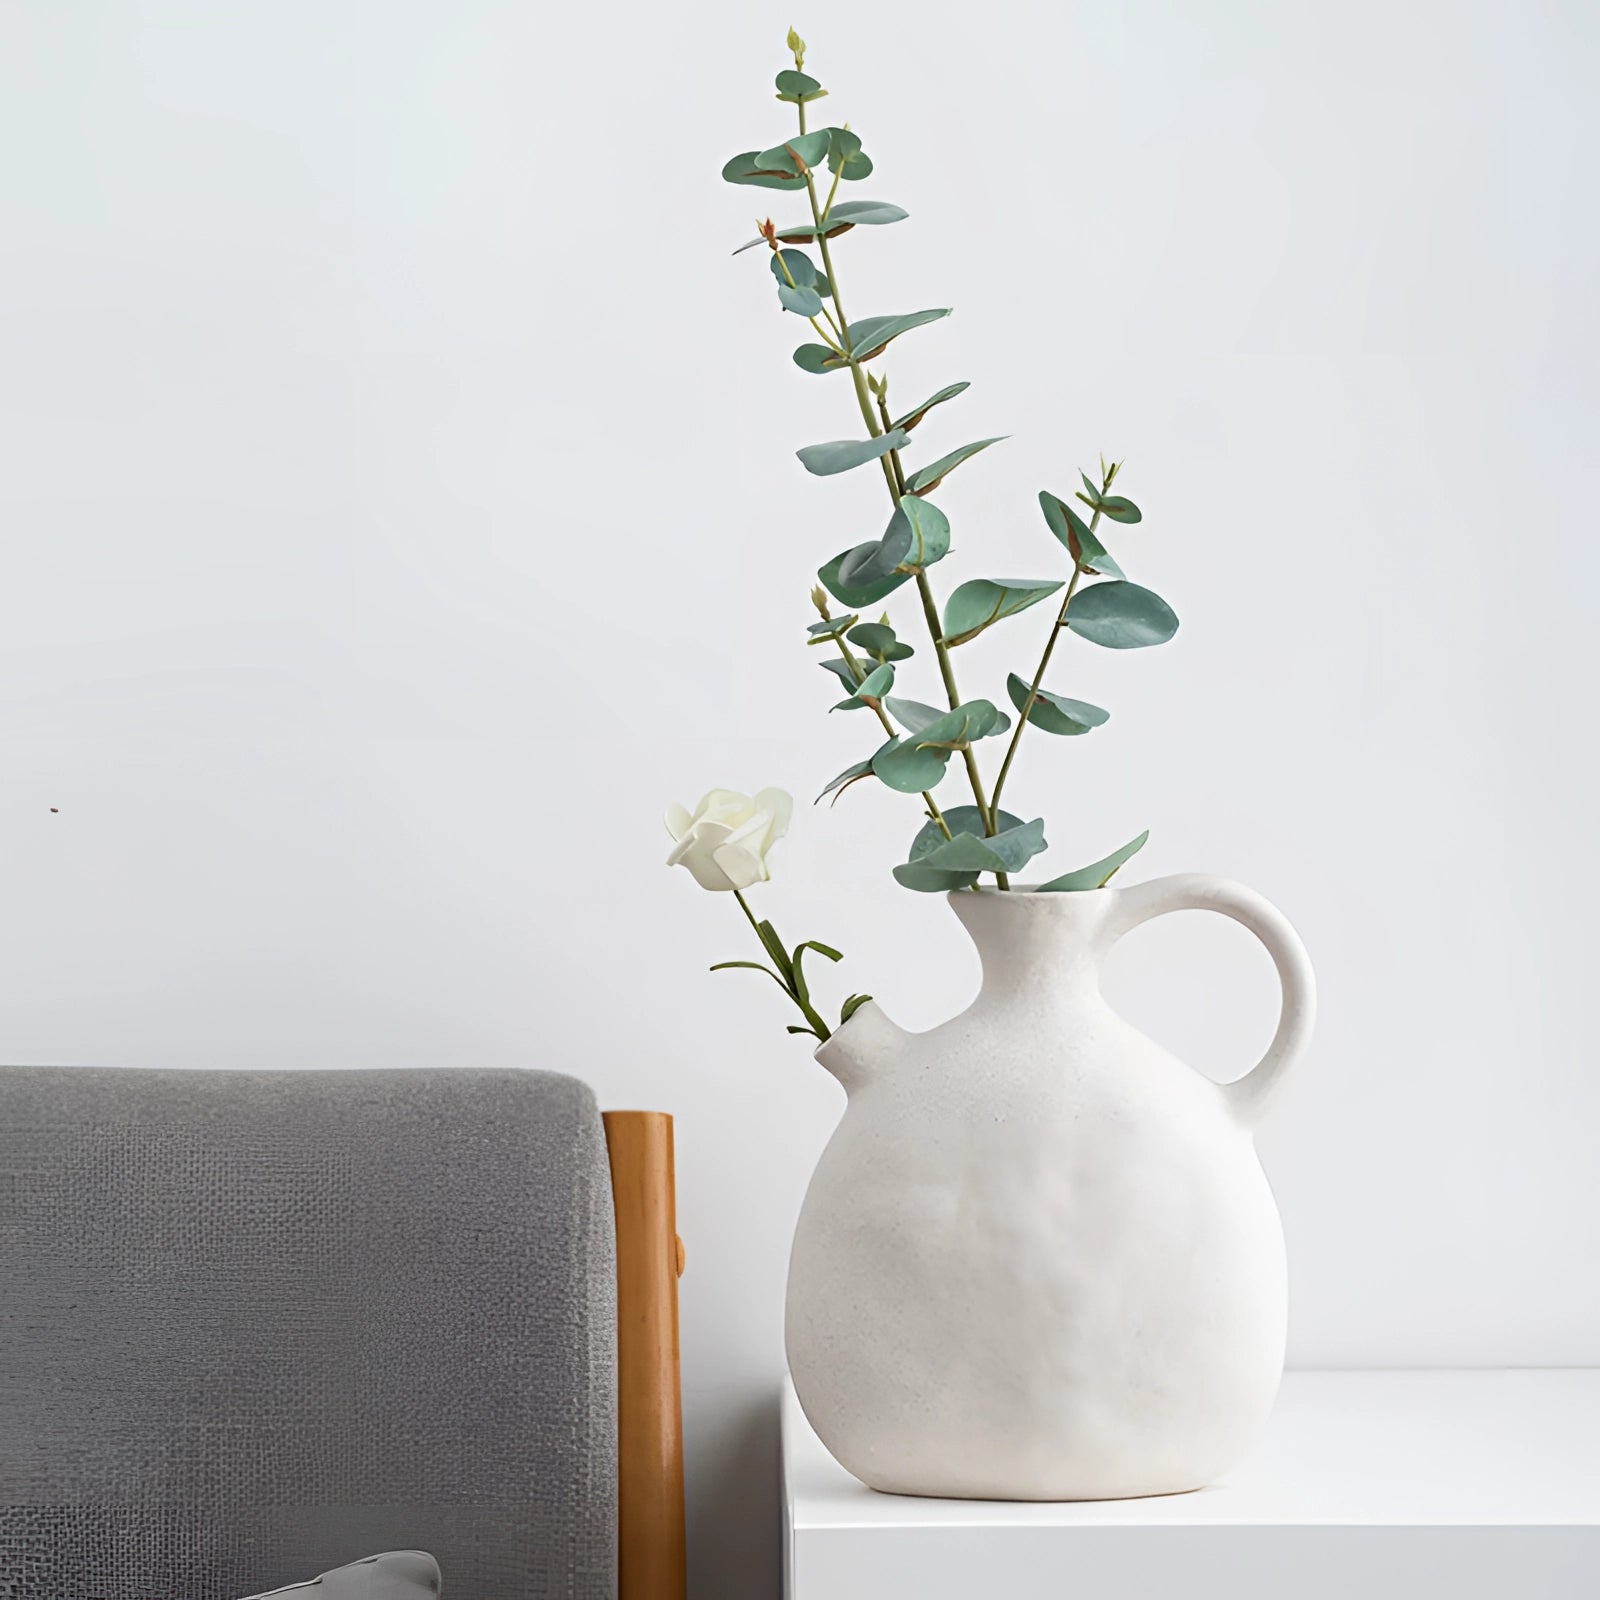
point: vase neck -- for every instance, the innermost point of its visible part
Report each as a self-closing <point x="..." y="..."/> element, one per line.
<point x="1034" y="945"/>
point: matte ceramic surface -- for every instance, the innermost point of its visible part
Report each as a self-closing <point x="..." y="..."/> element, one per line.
<point x="1039" y="1259"/>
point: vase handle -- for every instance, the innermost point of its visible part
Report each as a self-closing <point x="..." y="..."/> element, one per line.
<point x="1197" y="891"/>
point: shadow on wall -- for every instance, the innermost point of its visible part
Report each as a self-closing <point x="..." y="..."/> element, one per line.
<point x="735" y="1525"/>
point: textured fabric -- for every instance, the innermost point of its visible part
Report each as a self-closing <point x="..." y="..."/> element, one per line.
<point x="397" y="1575"/>
<point x="256" y="1325"/>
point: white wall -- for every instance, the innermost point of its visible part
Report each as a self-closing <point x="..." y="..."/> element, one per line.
<point x="400" y="507"/>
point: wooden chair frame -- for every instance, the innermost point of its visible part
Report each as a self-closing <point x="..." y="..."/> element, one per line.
<point x="650" y="1515"/>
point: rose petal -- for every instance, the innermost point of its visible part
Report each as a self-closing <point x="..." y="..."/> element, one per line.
<point x="743" y="866"/>
<point x="678" y="820"/>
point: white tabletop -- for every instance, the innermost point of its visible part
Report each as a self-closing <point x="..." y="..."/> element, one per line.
<point x="1352" y="1451"/>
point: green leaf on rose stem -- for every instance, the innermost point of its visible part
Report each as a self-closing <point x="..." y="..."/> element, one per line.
<point x="1114" y="506"/>
<point x="797" y="155"/>
<point x="858" y="594"/>
<point x="1055" y="713"/>
<point x="851" y="774"/>
<point x="929" y="478"/>
<point x="821" y="630"/>
<point x="794" y="1027"/>
<point x="799" y="266"/>
<point x="1073" y="532"/>
<point x="746" y="168"/>
<point x="841" y="455"/>
<point x="1121" y="616"/>
<point x="919" y="876"/>
<point x="801" y="987"/>
<point x="959" y="819"/>
<point x="780" y="956"/>
<point x="797" y="87"/>
<point x="1007" y="851"/>
<point x="814" y="358"/>
<point x="908" y="769"/>
<point x="1098" y="873"/>
<point x="954" y="730"/>
<point x="844" y="216"/>
<point x="852" y="1005"/>
<point x="844" y="150"/>
<point x="869" y="336"/>
<point x="913" y="417"/>
<point x="879" y="639"/>
<point x="982" y="602"/>
<point x="803" y="302"/>
<point x="753" y="966"/>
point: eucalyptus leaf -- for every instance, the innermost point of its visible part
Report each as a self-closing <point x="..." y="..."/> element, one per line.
<point x="918" y="876"/>
<point x="958" y="819"/>
<point x="853" y="594"/>
<point x="851" y="774"/>
<point x="914" y="416"/>
<point x="925" y="530"/>
<point x="905" y="767"/>
<point x="1121" y="616"/>
<point x="877" y="683"/>
<point x="912" y="715"/>
<point x="930" y="477"/>
<point x="1097" y="873"/>
<point x="746" y="168"/>
<point x="843" y="671"/>
<point x="815" y="358"/>
<point x="842" y="454"/>
<point x="798" y="87"/>
<point x="879" y="639"/>
<point x="797" y="155"/>
<point x="1007" y="851"/>
<point x="830" y="625"/>
<point x="1077" y="536"/>
<point x="803" y="302"/>
<point x="868" y="336"/>
<point x="795" y="264"/>
<point x="844" y="151"/>
<point x="1055" y="713"/>
<point x="844" y="216"/>
<point x="953" y="730"/>
<point x="982" y="602"/>
<point x="1115" y="506"/>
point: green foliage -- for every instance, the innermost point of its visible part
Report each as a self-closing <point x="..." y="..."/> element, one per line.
<point x="1121" y="616"/>
<point x="863" y="593"/>
<point x="797" y="88"/>
<point x="917" y="413"/>
<point x="1108" y="505"/>
<point x="1055" y="713"/>
<point x="1098" y="873"/>
<point x="851" y="1006"/>
<point x="954" y="849"/>
<point x="840" y="456"/>
<point x="982" y="602"/>
<point x="1078" y="537"/>
<point x="929" y="478"/>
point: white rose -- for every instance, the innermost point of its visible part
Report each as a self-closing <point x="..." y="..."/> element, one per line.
<point x="725" y="840"/>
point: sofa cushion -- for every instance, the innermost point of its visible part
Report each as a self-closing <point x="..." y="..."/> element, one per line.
<point x="256" y="1323"/>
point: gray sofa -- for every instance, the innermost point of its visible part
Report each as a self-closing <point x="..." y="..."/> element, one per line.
<point x="254" y="1325"/>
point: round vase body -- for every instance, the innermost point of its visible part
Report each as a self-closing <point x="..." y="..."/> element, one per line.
<point x="1039" y="1259"/>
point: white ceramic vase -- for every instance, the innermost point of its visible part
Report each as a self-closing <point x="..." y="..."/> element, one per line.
<point x="1039" y="1259"/>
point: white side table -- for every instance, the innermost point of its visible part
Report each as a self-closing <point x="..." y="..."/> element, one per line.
<point x="1369" y="1486"/>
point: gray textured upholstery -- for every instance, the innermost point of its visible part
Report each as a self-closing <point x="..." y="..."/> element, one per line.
<point x="256" y="1325"/>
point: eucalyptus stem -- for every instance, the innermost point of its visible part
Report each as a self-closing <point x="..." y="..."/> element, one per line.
<point x="934" y="813"/>
<point x="894" y="477"/>
<point x="1049" y="647"/>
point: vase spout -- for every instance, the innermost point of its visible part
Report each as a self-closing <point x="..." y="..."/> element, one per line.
<point x="858" y="1050"/>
